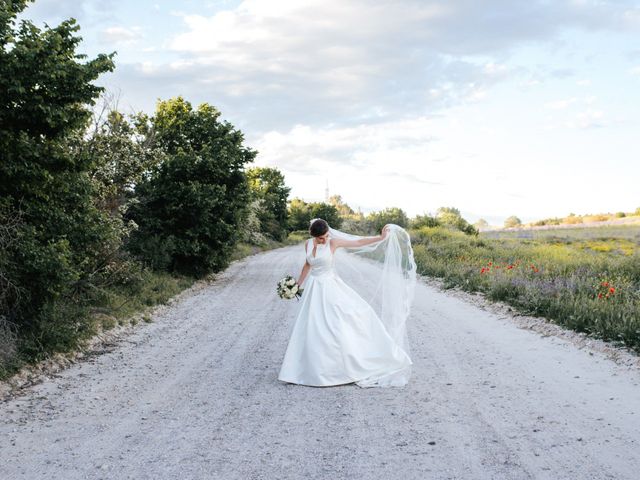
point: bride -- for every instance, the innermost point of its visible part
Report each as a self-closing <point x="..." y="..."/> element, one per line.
<point x="338" y="337"/>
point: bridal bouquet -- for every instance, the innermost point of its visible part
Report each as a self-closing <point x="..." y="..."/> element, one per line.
<point x="288" y="288"/>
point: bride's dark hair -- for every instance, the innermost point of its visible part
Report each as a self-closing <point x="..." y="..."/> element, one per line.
<point x="318" y="228"/>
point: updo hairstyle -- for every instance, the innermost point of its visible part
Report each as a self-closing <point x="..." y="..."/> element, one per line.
<point x="318" y="228"/>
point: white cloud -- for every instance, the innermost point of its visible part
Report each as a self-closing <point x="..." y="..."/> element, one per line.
<point x="121" y="35"/>
<point x="304" y="148"/>
<point x="323" y="56"/>
<point x="315" y="61"/>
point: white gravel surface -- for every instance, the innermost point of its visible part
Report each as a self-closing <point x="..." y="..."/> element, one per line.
<point x="195" y="395"/>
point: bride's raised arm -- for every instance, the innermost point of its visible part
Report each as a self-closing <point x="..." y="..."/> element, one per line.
<point x="340" y="242"/>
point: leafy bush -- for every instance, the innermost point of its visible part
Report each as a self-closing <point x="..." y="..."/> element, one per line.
<point x="63" y="239"/>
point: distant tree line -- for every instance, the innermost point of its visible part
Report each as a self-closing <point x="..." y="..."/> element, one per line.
<point x="342" y="216"/>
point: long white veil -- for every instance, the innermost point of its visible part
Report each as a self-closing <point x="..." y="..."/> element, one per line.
<point x="384" y="274"/>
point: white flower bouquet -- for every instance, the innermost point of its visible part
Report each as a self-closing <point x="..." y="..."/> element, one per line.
<point x="288" y="288"/>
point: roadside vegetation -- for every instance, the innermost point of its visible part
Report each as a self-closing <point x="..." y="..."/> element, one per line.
<point x="102" y="214"/>
<point x="588" y="284"/>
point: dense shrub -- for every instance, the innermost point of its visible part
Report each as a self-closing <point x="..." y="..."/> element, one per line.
<point x="63" y="238"/>
<point x="420" y="221"/>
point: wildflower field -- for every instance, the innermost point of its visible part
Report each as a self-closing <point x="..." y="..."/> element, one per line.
<point x="585" y="279"/>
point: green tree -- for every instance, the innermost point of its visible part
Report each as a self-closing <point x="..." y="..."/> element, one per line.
<point x="425" y="220"/>
<point x="327" y="212"/>
<point x="301" y="213"/>
<point x="388" y="215"/>
<point x="251" y="228"/>
<point x="512" y="221"/>
<point x="352" y="221"/>
<point x="191" y="206"/>
<point x="451" y="217"/>
<point x="268" y="187"/>
<point x="123" y="152"/>
<point x="45" y="90"/>
<point x="448" y="215"/>
<point x="344" y="210"/>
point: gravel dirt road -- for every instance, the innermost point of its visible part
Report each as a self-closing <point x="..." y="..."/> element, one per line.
<point x="195" y="395"/>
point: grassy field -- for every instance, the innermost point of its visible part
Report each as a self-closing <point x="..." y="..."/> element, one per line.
<point x="587" y="279"/>
<point x="577" y="233"/>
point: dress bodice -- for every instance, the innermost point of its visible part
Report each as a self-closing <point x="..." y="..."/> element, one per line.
<point x="322" y="263"/>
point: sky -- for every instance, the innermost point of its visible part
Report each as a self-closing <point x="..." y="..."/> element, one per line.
<point x="498" y="108"/>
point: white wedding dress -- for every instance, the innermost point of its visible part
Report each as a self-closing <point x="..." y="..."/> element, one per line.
<point x="337" y="337"/>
